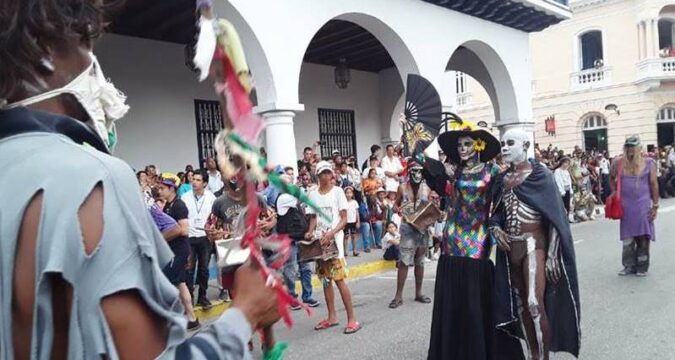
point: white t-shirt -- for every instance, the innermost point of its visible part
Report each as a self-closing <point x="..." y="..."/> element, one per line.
<point x="352" y="211"/>
<point x="215" y="181"/>
<point x="388" y="236"/>
<point x="563" y="180"/>
<point x="391" y="165"/>
<point x="331" y="204"/>
<point x="604" y="166"/>
<point x="198" y="211"/>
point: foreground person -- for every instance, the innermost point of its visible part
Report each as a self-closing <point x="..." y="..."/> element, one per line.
<point x="82" y="260"/>
<point x="639" y="190"/>
<point x="536" y="276"/>
<point x="464" y="292"/>
<point x="412" y="198"/>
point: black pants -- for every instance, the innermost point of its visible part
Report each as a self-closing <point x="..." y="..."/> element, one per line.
<point x="201" y="254"/>
<point x="566" y="201"/>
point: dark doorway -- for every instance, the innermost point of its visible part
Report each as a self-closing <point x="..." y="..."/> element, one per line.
<point x="595" y="140"/>
<point x="665" y="133"/>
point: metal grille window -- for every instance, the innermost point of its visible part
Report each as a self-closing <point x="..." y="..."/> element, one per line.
<point x="209" y="121"/>
<point x="336" y="132"/>
<point x="594" y="122"/>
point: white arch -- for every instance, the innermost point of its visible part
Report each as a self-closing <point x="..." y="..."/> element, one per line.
<point x="385" y="34"/>
<point x="484" y="64"/>
<point x="256" y="56"/>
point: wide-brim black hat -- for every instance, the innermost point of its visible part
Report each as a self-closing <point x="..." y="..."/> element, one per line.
<point x="449" y="139"/>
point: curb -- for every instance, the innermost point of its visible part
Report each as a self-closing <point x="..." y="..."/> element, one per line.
<point x="353" y="273"/>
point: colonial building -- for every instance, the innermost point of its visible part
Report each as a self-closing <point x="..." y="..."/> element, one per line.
<point x="606" y="73"/>
<point x="333" y="71"/>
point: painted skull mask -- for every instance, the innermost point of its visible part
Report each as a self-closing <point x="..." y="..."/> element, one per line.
<point x="515" y="143"/>
<point x="465" y="148"/>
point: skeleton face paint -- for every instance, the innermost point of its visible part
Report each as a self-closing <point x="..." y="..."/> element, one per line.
<point x="416" y="175"/>
<point x="465" y="148"/>
<point x="514" y="146"/>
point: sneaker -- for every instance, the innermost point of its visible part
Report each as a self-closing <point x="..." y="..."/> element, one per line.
<point x="627" y="271"/>
<point x="193" y="325"/>
<point x="224" y="295"/>
<point x="296" y="307"/>
<point x="641" y="273"/>
<point x="312" y="303"/>
<point x="204" y="303"/>
<point x="426" y="260"/>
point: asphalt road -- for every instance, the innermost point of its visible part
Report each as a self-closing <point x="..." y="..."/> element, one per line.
<point x="622" y="317"/>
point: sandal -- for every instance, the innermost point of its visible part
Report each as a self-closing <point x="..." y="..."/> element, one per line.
<point x="395" y="303"/>
<point x="356" y="254"/>
<point x="325" y="324"/>
<point x="352" y="327"/>
<point x="423" y="299"/>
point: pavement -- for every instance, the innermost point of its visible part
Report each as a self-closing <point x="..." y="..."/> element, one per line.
<point x="622" y="318"/>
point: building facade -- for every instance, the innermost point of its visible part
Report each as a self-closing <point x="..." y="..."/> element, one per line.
<point x="297" y="48"/>
<point x="606" y="73"/>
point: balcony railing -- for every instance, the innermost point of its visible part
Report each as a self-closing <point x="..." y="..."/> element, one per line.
<point x="591" y="78"/>
<point x="656" y="69"/>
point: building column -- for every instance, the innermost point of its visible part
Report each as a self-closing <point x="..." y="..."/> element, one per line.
<point x="280" y="138"/>
<point x="641" y="40"/>
<point x="652" y="42"/>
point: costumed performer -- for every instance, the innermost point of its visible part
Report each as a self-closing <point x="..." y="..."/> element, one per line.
<point x="462" y="324"/>
<point x="536" y="277"/>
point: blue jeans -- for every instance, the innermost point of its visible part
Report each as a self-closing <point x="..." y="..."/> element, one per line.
<point x="377" y="233"/>
<point x="367" y="235"/>
<point x="290" y="271"/>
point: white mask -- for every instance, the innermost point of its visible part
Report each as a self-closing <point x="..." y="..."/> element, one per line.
<point x="515" y="143"/>
<point x="100" y="99"/>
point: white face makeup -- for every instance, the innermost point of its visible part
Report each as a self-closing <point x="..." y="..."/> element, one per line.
<point x="465" y="148"/>
<point x="515" y="143"/>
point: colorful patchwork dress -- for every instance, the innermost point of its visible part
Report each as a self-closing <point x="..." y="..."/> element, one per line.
<point x="463" y="323"/>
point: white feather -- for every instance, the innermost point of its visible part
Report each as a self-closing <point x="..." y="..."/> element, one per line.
<point x="205" y="48"/>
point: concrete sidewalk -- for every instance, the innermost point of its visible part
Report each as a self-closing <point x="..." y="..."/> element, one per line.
<point x="357" y="267"/>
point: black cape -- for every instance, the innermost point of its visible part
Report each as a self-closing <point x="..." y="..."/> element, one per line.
<point x="540" y="192"/>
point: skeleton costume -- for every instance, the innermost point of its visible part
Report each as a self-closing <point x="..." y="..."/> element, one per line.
<point x="531" y="219"/>
<point x="462" y="323"/>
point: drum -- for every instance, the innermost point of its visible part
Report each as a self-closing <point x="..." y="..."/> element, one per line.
<point x="422" y="217"/>
<point x="311" y="250"/>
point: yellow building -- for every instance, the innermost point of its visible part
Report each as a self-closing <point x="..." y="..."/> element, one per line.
<point x="606" y="73"/>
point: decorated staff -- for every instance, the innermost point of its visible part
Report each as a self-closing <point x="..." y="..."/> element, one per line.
<point x="219" y="52"/>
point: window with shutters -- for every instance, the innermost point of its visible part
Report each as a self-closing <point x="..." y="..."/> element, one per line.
<point x="336" y="132"/>
<point x="209" y="121"/>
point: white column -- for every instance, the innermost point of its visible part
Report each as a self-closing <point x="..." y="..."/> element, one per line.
<point x="656" y="38"/>
<point x="651" y="35"/>
<point x="641" y="40"/>
<point x="280" y="138"/>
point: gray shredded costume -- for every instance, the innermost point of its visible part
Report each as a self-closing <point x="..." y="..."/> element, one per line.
<point x="35" y="155"/>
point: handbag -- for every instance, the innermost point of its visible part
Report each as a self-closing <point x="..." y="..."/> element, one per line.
<point x="311" y="250"/>
<point x="613" y="206"/>
<point x="230" y="253"/>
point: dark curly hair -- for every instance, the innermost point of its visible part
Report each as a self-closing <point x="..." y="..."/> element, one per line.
<point x="31" y="26"/>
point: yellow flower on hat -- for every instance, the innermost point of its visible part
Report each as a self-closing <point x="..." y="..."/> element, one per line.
<point x="479" y="145"/>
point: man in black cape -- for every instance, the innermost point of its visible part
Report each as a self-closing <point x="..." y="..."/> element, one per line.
<point x="537" y="294"/>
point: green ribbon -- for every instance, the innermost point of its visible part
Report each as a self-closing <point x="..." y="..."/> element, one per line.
<point x="275" y="179"/>
<point x="276" y="352"/>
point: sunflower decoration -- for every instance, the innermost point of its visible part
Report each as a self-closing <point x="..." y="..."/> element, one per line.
<point x="418" y="133"/>
<point x="479" y="145"/>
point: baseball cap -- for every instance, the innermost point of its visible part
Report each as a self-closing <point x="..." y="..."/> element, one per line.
<point x="380" y="190"/>
<point x="336" y="151"/>
<point x="324" y="166"/>
<point x="632" y="140"/>
<point x="170" y="179"/>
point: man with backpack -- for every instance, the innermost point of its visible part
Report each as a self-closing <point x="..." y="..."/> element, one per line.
<point x="291" y="220"/>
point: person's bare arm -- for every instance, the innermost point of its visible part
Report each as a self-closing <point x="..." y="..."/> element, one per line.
<point x="311" y="227"/>
<point x="654" y="187"/>
<point x="613" y="175"/>
<point x="172" y="233"/>
<point x="329" y="236"/>
<point x="399" y="196"/>
<point x="184" y="227"/>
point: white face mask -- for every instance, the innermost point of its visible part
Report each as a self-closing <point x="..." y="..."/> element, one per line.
<point x="514" y="146"/>
<point x="100" y="99"/>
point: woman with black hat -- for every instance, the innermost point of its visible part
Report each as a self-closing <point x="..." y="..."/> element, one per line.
<point x="464" y="286"/>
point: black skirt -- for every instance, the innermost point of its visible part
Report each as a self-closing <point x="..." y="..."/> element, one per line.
<point x="463" y="326"/>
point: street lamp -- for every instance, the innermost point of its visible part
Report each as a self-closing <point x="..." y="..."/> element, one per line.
<point x="342" y="75"/>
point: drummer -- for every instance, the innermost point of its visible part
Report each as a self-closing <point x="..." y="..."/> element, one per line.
<point x="412" y="198"/>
